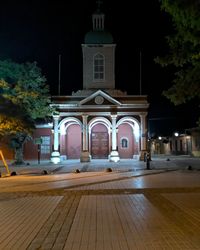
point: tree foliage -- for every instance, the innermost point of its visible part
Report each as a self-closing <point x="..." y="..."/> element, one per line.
<point x="10" y="126"/>
<point x="184" y="49"/>
<point x="24" y="85"/>
<point x="24" y="98"/>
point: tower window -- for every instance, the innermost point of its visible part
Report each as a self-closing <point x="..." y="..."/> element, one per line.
<point x="99" y="67"/>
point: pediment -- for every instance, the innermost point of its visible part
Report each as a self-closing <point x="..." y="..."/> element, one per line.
<point x="99" y="98"/>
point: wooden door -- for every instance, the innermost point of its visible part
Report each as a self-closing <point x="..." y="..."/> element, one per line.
<point x="99" y="145"/>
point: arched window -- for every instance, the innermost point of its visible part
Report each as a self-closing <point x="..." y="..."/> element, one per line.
<point x="124" y="142"/>
<point x="99" y="67"/>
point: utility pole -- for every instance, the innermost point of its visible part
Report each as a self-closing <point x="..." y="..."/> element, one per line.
<point x="140" y="72"/>
<point x="59" y="73"/>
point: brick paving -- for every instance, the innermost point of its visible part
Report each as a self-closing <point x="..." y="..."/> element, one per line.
<point x="123" y="210"/>
<point x="22" y="218"/>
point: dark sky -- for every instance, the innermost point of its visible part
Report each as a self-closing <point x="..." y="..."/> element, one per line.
<point x="41" y="30"/>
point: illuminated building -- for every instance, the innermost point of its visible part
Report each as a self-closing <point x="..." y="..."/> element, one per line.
<point x="99" y="121"/>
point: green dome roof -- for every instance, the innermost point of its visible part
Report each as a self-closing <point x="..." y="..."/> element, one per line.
<point x="98" y="37"/>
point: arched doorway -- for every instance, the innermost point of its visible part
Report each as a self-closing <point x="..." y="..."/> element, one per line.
<point x="70" y="138"/>
<point x="128" y="138"/>
<point x="73" y="141"/>
<point x="99" y="141"/>
<point x="125" y="141"/>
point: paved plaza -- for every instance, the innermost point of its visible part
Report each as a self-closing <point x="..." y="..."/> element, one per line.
<point x="128" y="208"/>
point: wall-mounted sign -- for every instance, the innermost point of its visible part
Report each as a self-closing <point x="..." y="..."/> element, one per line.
<point x="38" y="140"/>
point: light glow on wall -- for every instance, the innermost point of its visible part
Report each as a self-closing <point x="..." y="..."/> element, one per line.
<point x="62" y="129"/>
<point x="136" y="132"/>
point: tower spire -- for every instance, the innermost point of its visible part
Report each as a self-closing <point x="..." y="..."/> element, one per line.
<point x="99" y="3"/>
<point x="98" y="17"/>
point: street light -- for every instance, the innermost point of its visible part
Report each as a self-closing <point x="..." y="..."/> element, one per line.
<point x="176" y="134"/>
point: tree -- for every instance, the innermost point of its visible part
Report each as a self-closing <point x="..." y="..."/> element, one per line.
<point x="13" y="118"/>
<point x="184" y="50"/>
<point x="24" y="98"/>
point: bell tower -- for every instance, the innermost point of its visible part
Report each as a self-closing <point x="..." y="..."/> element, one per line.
<point x="98" y="55"/>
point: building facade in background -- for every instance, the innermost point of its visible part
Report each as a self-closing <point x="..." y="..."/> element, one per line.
<point x="187" y="143"/>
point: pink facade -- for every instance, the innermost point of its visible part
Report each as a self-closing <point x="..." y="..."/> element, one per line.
<point x="31" y="147"/>
<point x="125" y="141"/>
<point x="73" y="142"/>
<point x="70" y="141"/>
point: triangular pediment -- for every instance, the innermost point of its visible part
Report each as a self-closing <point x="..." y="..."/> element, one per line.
<point x="99" y="98"/>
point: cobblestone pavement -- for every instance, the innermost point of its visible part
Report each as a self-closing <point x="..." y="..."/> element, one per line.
<point x="129" y="208"/>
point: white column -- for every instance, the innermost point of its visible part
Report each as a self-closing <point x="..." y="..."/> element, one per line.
<point x="56" y="140"/>
<point x="135" y="145"/>
<point x="55" y="155"/>
<point x="85" y="133"/>
<point x="85" y="156"/>
<point x="114" y="155"/>
<point x="143" y="135"/>
<point x="114" y="133"/>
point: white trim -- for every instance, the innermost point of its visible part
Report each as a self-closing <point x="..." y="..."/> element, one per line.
<point x="106" y="113"/>
<point x="101" y="120"/>
<point x="101" y="93"/>
<point x="128" y="119"/>
<point x="45" y="125"/>
<point x="136" y="126"/>
<point x="69" y="119"/>
<point x="95" y="106"/>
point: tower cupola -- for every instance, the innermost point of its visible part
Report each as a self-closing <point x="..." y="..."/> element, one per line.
<point x="98" y="55"/>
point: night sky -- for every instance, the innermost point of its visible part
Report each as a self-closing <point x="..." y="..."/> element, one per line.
<point x="41" y="30"/>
